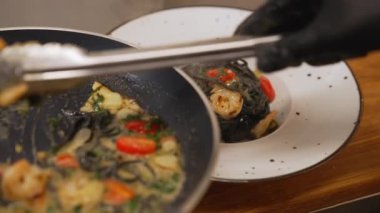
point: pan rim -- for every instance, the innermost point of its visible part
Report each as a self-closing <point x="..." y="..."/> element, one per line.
<point x="195" y="197"/>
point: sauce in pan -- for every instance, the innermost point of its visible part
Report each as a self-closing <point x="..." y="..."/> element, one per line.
<point x="120" y="159"/>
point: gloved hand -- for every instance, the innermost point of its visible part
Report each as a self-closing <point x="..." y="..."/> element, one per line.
<point x="314" y="31"/>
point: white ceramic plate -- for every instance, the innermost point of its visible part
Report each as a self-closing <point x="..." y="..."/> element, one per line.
<point x="319" y="107"/>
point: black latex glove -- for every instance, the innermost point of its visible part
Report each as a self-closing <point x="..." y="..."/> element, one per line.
<point x="314" y="31"/>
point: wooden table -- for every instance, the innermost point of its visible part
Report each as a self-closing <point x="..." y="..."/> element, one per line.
<point x="354" y="172"/>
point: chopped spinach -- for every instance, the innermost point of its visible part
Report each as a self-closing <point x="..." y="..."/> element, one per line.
<point x="176" y="177"/>
<point x="55" y="149"/>
<point x="51" y="209"/>
<point x="53" y="121"/>
<point x="77" y="209"/>
<point x="132" y="205"/>
<point x="97" y="100"/>
<point x="163" y="186"/>
<point x="132" y="117"/>
<point x="159" y="134"/>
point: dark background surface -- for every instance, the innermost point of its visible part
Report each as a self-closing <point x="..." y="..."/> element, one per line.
<point x="94" y="15"/>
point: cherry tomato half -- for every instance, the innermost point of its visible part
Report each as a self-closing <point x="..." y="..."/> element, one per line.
<point x="267" y="88"/>
<point x="135" y="145"/>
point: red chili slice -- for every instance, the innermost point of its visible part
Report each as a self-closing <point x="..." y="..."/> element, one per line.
<point x="228" y="76"/>
<point x="136" y="126"/>
<point x="141" y="126"/>
<point x="153" y="129"/>
<point x="66" y="161"/>
<point x="213" y="73"/>
<point x="117" y="192"/>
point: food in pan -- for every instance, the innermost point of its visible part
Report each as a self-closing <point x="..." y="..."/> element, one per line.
<point x="239" y="98"/>
<point x="120" y="159"/>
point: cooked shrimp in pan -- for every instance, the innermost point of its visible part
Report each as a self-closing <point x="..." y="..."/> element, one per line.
<point x="23" y="181"/>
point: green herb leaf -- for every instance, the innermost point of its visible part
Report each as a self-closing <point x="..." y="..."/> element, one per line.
<point x="132" y="205"/>
<point x="53" y="121"/>
<point x="97" y="100"/>
<point x="175" y="177"/>
<point x="132" y="117"/>
<point x="55" y="149"/>
<point x="166" y="187"/>
<point x="51" y="209"/>
<point x="77" y="209"/>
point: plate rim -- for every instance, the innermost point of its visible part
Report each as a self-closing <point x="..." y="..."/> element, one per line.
<point x="306" y="169"/>
<point x="323" y="161"/>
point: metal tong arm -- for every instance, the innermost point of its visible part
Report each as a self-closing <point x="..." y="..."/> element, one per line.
<point x="125" y="60"/>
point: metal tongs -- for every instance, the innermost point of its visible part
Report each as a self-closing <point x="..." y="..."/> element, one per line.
<point x="53" y="66"/>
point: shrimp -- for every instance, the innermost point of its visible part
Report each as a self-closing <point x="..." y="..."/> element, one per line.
<point x="226" y="103"/>
<point x="23" y="181"/>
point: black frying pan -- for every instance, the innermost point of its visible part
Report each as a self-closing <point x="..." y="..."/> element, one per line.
<point x="165" y="93"/>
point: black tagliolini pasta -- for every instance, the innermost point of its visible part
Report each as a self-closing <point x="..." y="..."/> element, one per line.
<point x="239" y="98"/>
<point x="120" y="159"/>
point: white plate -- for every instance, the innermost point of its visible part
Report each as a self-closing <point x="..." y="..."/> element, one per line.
<point x="319" y="107"/>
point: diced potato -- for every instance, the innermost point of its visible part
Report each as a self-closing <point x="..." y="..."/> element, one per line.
<point x="79" y="139"/>
<point x="125" y="112"/>
<point x="18" y="148"/>
<point x="80" y="190"/>
<point x="86" y="107"/>
<point x="261" y="128"/>
<point x="169" y="144"/>
<point x="96" y="85"/>
<point x="107" y="142"/>
<point x="166" y="161"/>
<point x="129" y="107"/>
<point x="132" y="105"/>
<point x="111" y="101"/>
<point x="41" y="155"/>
